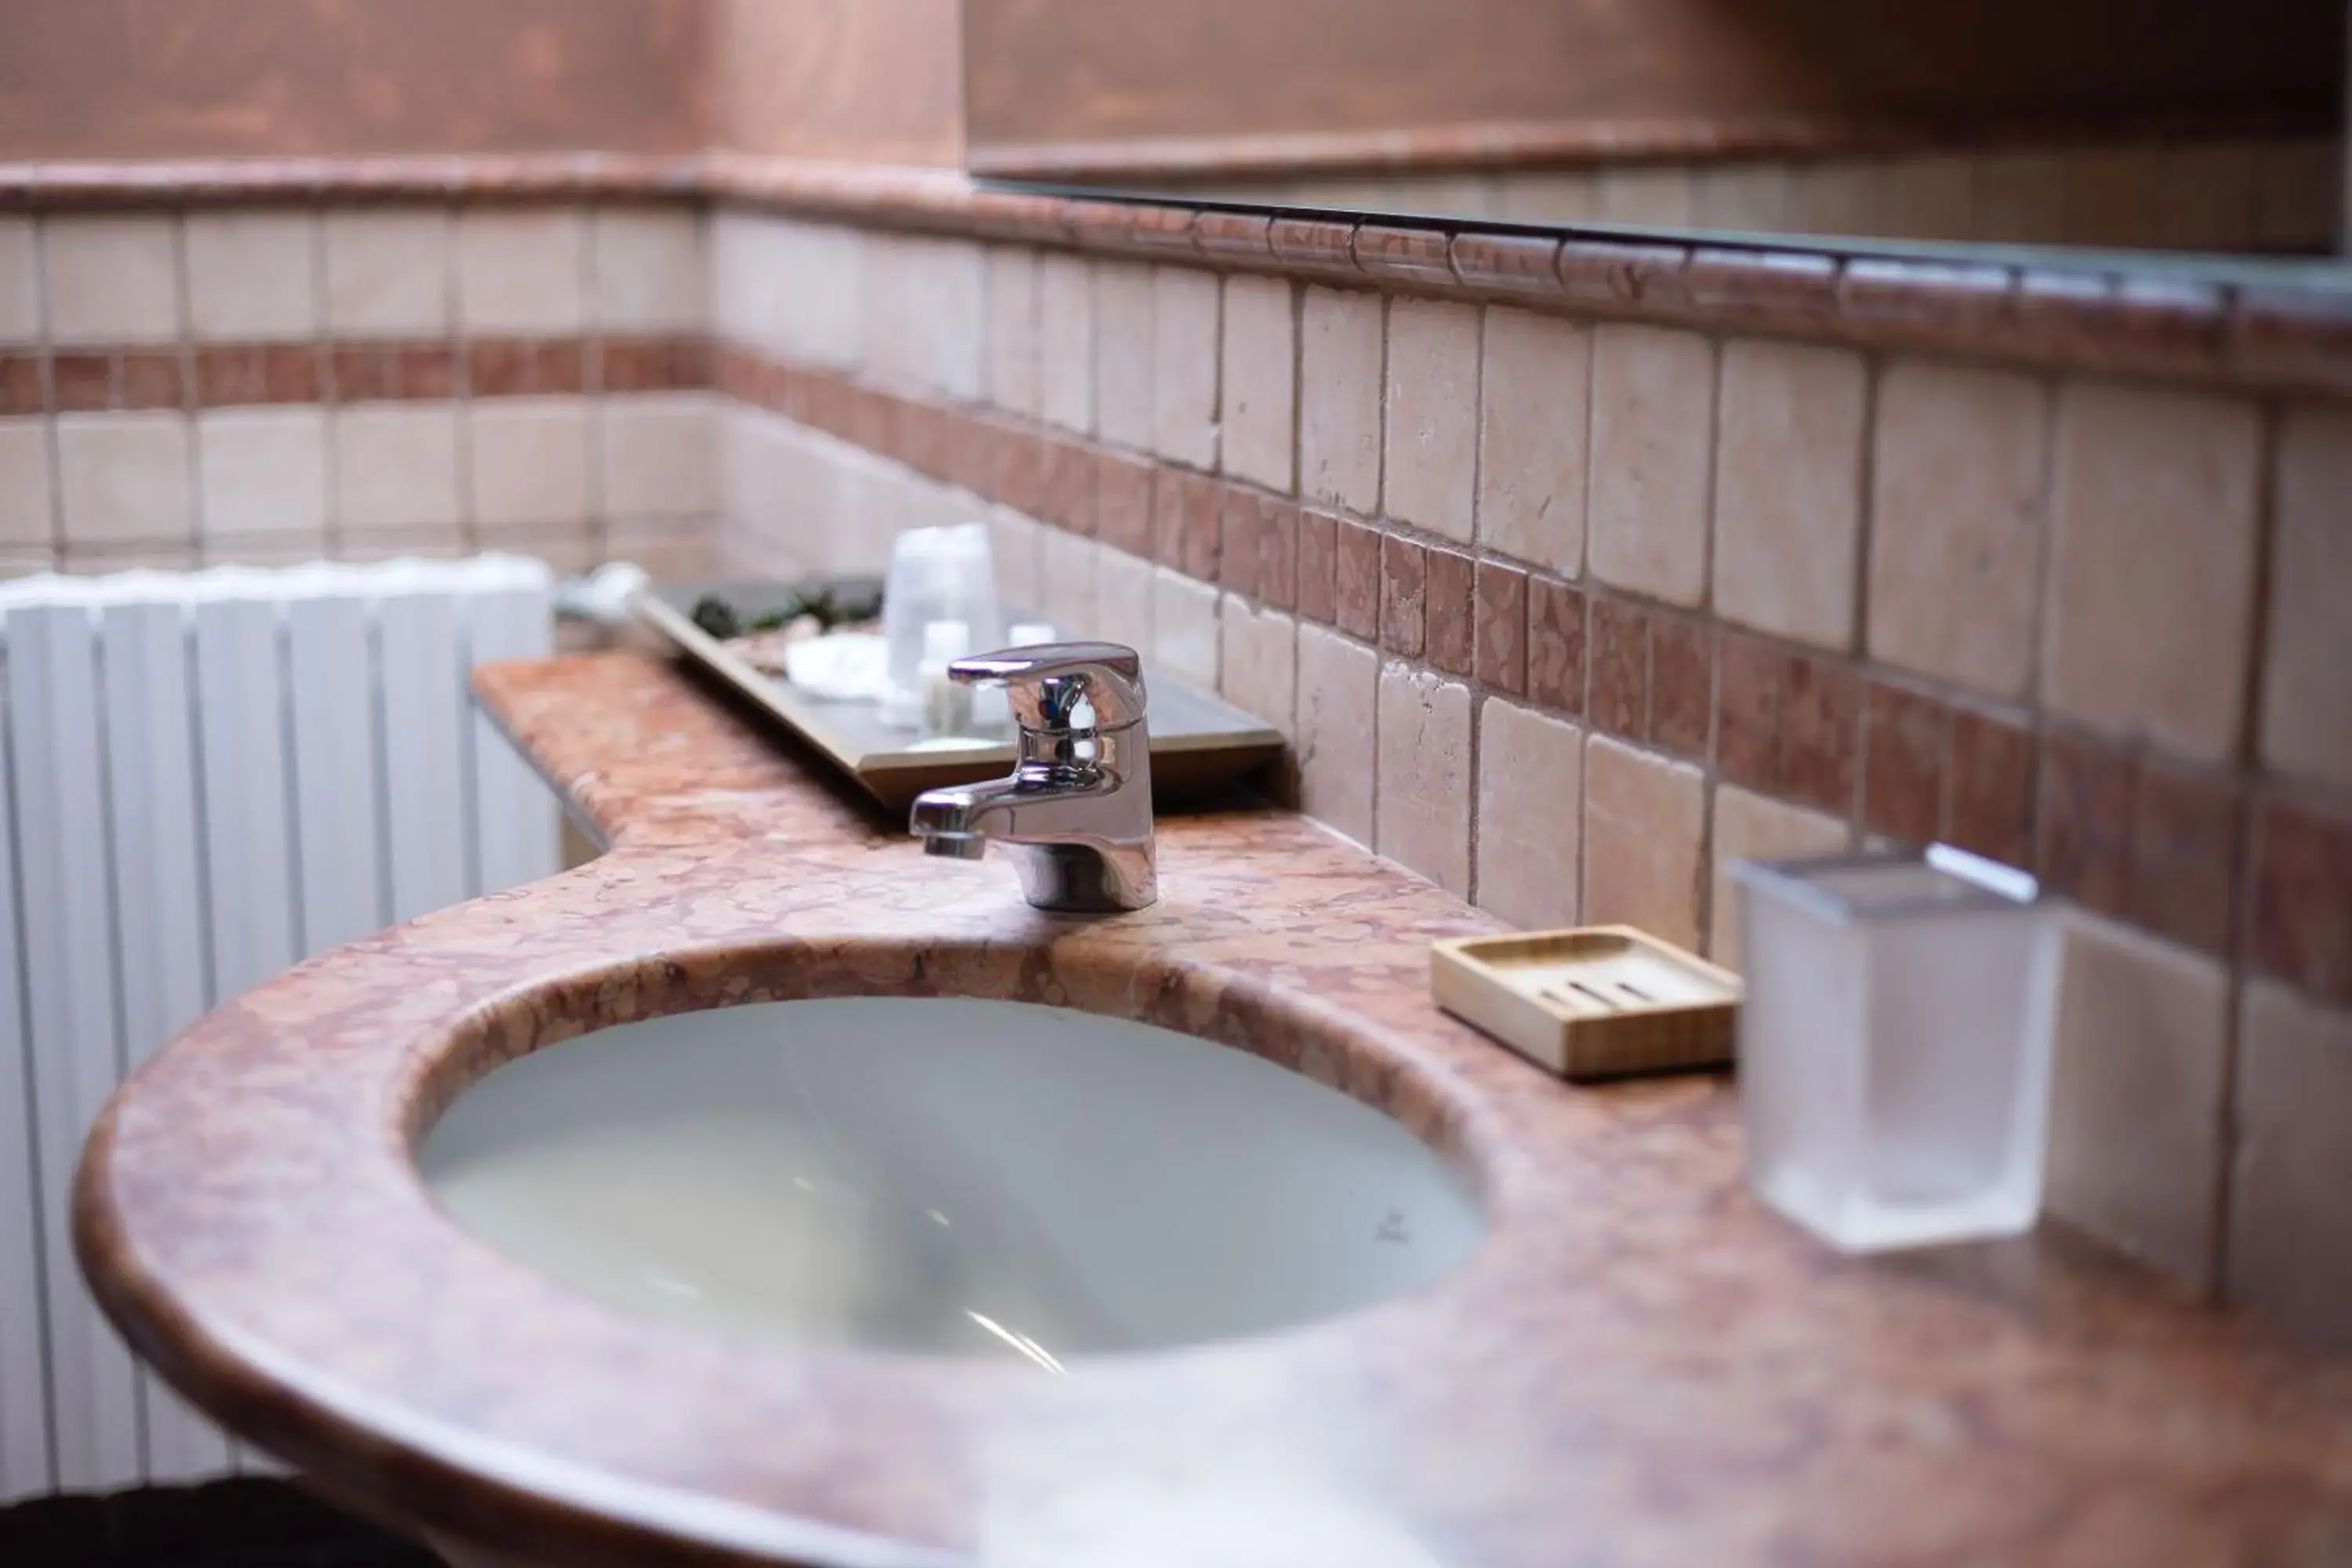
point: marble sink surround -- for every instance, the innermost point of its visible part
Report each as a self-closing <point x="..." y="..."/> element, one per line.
<point x="1639" y="1366"/>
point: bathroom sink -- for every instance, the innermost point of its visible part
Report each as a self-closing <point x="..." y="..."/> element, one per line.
<point x="944" y="1176"/>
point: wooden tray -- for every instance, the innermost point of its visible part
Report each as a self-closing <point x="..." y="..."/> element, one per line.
<point x="1199" y="744"/>
<point x="1594" y="1001"/>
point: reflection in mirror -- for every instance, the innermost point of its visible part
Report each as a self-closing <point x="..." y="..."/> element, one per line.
<point x="2132" y="124"/>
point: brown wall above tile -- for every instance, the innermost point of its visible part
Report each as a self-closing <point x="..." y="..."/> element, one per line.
<point x="121" y="80"/>
<point x="875" y="80"/>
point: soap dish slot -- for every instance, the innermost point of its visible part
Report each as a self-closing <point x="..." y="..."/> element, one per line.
<point x="1592" y="1001"/>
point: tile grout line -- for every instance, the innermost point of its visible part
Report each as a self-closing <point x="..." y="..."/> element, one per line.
<point x="1477" y="704"/>
<point x="331" y="452"/>
<point x="52" y="436"/>
<point x="184" y="285"/>
<point x="2238" y="962"/>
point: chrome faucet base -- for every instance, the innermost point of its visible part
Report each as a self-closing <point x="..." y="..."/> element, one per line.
<point x="1076" y="809"/>
<point x="1082" y="879"/>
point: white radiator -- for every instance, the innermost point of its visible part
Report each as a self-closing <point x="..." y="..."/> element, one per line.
<point x="204" y="777"/>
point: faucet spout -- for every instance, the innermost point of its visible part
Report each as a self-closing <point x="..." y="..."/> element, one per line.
<point x="950" y="846"/>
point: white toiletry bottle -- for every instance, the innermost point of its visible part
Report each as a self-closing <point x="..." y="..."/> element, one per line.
<point x="946" y="704"/>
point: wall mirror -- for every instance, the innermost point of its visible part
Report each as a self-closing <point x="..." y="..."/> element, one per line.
<point x="2185" y="132"/>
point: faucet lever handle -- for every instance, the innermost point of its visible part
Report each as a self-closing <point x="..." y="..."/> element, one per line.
<point x="1049" y="681"/>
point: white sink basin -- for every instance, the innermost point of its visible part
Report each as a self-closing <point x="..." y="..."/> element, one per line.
<point x="946" y="1176"/>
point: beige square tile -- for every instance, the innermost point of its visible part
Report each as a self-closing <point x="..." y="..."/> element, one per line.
<point x="1534" y="397"/>
<point x="1124" y="372"/>
<point x="789" y="487"/>
<point x="1066" y="342"/>
<point x="390" y="272"/>
<point x="1338" y="694"/>
<point x="20" y="281"/>
<point x="658" y="458"/>
<point x="1752" y="198"/>
<point x="2155" y="505"/>
<point x="1339" y="382"/>
<point x="648" y="269"/>
<point x="2299" y="193"/>
<point x="522" y="272"/>
<point x="396" y="467"/>
<point x="1929" y="195"/>
<point x="753" y="456"/>
<point x="1065" y="580"/>
<point x="1531" y="816"/>
<point x="1185" y="365"/>
<point x="1260" y="663"/>
<point x="124" y="478"/>
<point x="2021" y="198"/>
<point x="1551" y="195"/>
<point x="1956" y="515"/>
<point x="924" y="299"/>
<point x="1421" y="799"/>
<point x="1747" y="826"/>
<point x="1013" y="328"/>
<point x="27" y="486"/>
<point x="1643" y="821"/>
<point x="1430" y="459"/>
<point x="1124" y="590"/>
<point x="1787" y="503"/>
<point x="253" y="275"/>
<point x="1260" y="359"/>
<point x="2306" y="718"/>
<point x="1184" y="640"/>
<point x="2209" y="196"/>
<point x="869" y="504"/>
<point x="894" y="334"/>
<point x="1475" y="193"/>
<point x="1653" y="432"/>
<point x="529" y="461"/>
<point x="1012" y="550"/>
<point x="262" y="472"/>
<point x="1646" y="197"/>
<point x="2135" y="1095"/>
<point x="811" y="304"/>
<point x="741" y="284"/>
<point x="2290" y="1229"/>
<point x="1836" y="197"/>
<point x="2115" y="196"/>
<point x="746" y="259"/>
<point x="111" y="279"/>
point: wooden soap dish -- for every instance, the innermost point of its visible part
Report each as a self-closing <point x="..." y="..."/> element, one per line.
<point x="1594" y="1002"/>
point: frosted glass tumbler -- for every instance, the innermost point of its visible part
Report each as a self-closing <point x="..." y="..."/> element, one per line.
<point x="1895" y="1045"/>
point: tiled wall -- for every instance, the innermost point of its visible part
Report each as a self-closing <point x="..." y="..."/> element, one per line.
<point x="280" y="382"/>
<point x="1567" y="616"/>
<point x="2279" y="194"/>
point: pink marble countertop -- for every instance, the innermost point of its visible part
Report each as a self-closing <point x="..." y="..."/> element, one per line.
<point x="1639" y="1366"/>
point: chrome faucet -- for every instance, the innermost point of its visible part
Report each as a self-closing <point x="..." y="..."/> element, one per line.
<point x="1077" y="810"/>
